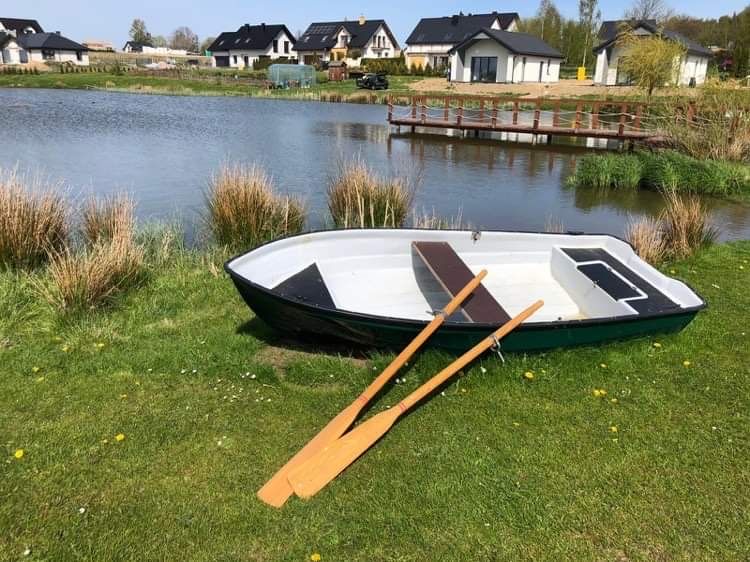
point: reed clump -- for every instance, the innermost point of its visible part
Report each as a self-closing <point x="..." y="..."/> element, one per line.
<point x="617" y="171"/>
<point x="680" y="230"/>
<point x="431" y="220"/>
<point x="244" y="210"/>
<point x="33" y="220"/>
<point x="104" y="218"/>
<point x="358" y="197"/>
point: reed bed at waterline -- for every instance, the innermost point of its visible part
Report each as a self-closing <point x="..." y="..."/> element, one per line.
<point x="359" y="197"/>
<point x="244" y="210"/>
<point x="663" y="170"/>
<point x="33" y="220"/>
<point x="681" y="230"/>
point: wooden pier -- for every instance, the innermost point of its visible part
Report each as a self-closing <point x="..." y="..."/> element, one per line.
<point x="600" y="119"/>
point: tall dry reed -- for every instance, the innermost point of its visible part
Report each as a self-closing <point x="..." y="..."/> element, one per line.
<point x="33" y="220"/>
<point x="104" y="218"/>
<point x="359" y="197"/>
<point x="244" y="211"/>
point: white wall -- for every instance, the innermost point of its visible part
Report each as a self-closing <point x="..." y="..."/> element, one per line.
<point x="254" y="54"/>
<point x="35" y="55"/>
<point x="691" y="66"/>
<point x="510" y="67"/>
<point x="12" y="54"/>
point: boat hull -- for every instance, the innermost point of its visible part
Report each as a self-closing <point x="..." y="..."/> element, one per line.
<point x="299" y="319"/>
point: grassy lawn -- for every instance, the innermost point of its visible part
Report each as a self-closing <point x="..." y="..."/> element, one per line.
<point x="211" y="402"/>
<point x="167" y="85"/>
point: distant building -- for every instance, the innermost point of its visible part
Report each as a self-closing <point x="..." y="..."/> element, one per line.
<point x="23" y="41"/>
<point x="99" y="45"/>
<point x="433" y="38"/>
<point x="348" y="41"/>
<point x="135" y="47"/>
<point x="692" y="67"/>
<point x="242" y="48"/>
<point x="493" y="55"/>
<point x="149" y="49"/>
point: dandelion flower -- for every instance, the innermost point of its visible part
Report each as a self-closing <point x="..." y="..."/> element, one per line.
<point x="613" y="400"/>
<point x="613" y="429"/>
<point x="516" y="424"/>
<point x="27" y="552"/>
<point x="528" y="375"/>
<point x="672" y="271"/>
<point x="18" y="454"/>
<point x="120" y="437"/>
<point x="65" y="348"/>
<point x="39" y="379"/>
<point x="603" y="365"/>
<point x="596" y="392"/>
<point x="99" y="345"/>
<point x="657" y="345"/>
<point x="35" y="369"/>
<point x="686" y="363"/>
<point x="315" y="557"/>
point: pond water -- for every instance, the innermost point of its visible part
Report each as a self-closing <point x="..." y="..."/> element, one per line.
<point x="164" y="149"/>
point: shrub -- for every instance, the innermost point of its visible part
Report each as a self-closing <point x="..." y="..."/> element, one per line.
<point x="244" y="211"/>
<point x="92" y="277"/>
<point x="33" y="220"/>
<point x="686" y="224"/>
<point x="103" y="218"/>
<point x="360" y="198"/>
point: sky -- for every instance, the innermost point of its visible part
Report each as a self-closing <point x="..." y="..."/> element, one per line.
<point x="110" y="19"/>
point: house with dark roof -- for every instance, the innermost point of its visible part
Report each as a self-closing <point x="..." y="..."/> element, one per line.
<point x="250" y="43"/>
<point x="23" y="41"/>
<point x="693" y="65"/>
<point x="431" y="40"/>
<point x="494" y="55"/>
<point x="348" y="41"/>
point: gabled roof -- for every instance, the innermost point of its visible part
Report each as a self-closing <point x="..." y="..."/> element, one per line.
<point x="610" y="31"/>
<point x="5" y="38"/>
<point x="516" y="42"/>
<point x="451" y="30"/>
<point x="52" y="41"/>
<point x="20" y="25"/>
<point x="249" y="38"/>
<point x="323" y="35"/>
<point x="137" y="45"/>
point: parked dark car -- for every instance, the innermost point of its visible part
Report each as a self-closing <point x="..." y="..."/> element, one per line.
<point x="373" y="81"/>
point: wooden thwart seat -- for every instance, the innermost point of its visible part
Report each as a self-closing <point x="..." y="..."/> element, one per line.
<point x="453" y="275"/>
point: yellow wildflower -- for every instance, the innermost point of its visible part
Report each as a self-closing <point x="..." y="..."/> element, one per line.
<point x="315" y="557"/>
<point x="613" y="429"/>
<point x="99" y="345"/>
<point x="516" y="424"/>
<point x="39" y="379"/>
<point x="686" y="363"/>
<point x="614" y="400"/>
<point x="66" y="348"/>
<point x="35" y="369"/>
<point x="529" y="375"/>
<point x="603" y="365"/>
<point x="657" y="345"/>
<point x="119" y="437"/>
<point x="18" y="454"/>
<point x="599" y="392"/>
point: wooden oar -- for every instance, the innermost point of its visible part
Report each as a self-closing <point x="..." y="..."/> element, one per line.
<point x="310" y="477"/>
<point x="277" y="490"/>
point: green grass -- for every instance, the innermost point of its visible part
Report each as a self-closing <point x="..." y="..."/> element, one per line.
<point x="664" y="170"/>
<point x="500" y="468"/>
<point x="177" y="86"/>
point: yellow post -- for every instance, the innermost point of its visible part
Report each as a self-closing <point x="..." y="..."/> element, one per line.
<point x="581" y="73"/>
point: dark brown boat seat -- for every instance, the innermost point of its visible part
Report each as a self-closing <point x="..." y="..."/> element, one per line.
<point x="453" y="275"/>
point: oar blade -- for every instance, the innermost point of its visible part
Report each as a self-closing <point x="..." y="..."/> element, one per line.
<point x="308" y="478"/>
<point x="277" y="490"/>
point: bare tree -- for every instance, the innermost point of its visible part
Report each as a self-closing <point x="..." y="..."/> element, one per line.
<point x="649" y="10"/>
<point x="184" y="38"/>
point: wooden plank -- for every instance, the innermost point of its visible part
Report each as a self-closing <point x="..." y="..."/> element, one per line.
<point x="579" y="111"/>
<point x="451" y="272"/>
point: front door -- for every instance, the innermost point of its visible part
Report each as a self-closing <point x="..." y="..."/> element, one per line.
<point x="484" y="69"/>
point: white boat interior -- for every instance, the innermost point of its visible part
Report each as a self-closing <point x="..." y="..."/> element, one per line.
<point x="377" y="272"/>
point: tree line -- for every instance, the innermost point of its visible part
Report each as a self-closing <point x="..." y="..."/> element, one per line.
<point x="182" y="38"/>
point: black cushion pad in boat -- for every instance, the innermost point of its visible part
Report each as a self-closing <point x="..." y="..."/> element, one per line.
<point x="610" y="283"/>
<point x="655" y="300"/>
<point x="307" y="286"/>
<point x="453" y="274"/>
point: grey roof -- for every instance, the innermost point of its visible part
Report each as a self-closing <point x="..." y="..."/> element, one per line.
<point x="53" y="41"/>
<point x="322" y="35"/>
<point x="516" y="42"/>
<point x="19" y="25"/>
<point x="451" y="30"/>
<point x="137" y="46"/>
<point x="4" y="38"/>
<point x="611" y="30"/>
<point x="249" y="37"/>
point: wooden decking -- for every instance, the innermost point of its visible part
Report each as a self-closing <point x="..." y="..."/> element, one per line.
<point x="551" y="117"/>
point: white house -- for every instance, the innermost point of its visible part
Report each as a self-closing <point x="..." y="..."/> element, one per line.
<point x="149" y="49"/>
<point x="433" y="38"/>
<point x="492" y="55"/>
<point x="23" y="41"/>
<point x="242" y="48"/>
<point x="692" y="66"/>
<point x="348" y="41"/>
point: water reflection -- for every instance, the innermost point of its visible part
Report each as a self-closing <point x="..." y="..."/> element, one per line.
<point x="164" y="150"/>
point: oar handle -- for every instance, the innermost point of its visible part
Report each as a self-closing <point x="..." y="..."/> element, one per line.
<point x="422" y="337"/>
<point x="435" y="382"/>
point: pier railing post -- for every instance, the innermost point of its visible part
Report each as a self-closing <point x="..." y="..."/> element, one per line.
<point x="494" y="113"/>
<point x="390" y="108"/>
<point x="414" y="107"/>
<point x="424" y="110"/>
<point x="515" y="112"/>
<point x="638" y="115"/>
<point x="460" y="113"/>
<point x="556" y="115"/>
<point x="447" y="109"/>
<point x="595" y="116"/>
<point x="481" y="111"/>
<point x="623" y="116"/>
<point x="579" y="110"/>
<point x="537" y="113"/>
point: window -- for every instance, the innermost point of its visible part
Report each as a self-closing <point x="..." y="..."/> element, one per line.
<point x="79" y="56"/>
<point x="484" y="69"/>
<point x="286" y="47"/>
<point x="235" y="59"/>
<point x="48" y="54"/>
<point x="275" y="45"/>
<point x="549" y="62"/>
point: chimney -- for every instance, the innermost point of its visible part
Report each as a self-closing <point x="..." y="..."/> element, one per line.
<point x="263" y="27"/>
<point x="454" y="20"/>
<point x="58" y="33"/>
<point x="362" y="20"/>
